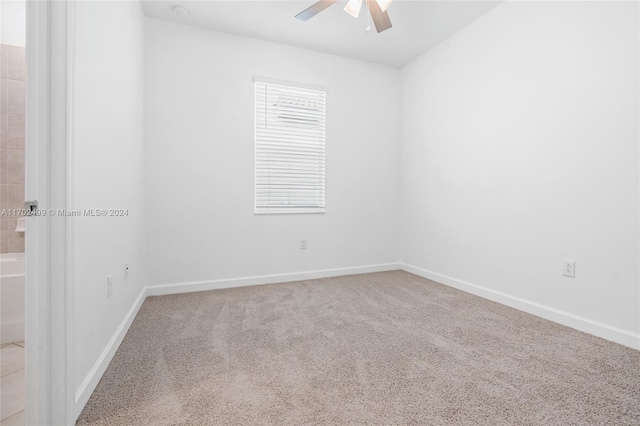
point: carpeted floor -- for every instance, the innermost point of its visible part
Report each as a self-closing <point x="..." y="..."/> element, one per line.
<point x="383" y="349"/>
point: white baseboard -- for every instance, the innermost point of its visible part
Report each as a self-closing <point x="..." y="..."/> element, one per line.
<point x="614" y="334"/>
<point x="188" y="287"/>
<point x="11" y="332"/>
<point x="91" y="381"/>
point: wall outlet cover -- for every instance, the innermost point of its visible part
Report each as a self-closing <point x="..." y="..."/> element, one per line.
<point x="569" y="268"/>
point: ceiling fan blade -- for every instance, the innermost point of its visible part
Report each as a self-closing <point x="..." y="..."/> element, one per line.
<point x="314" y="9"/>
<point x="380" y="18"/>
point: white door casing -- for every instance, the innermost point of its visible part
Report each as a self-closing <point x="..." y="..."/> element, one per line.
<point x="49" y="287"/>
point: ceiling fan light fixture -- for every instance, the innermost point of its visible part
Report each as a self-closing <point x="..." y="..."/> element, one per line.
<point x="380" y="18"/>
<point x="353" y="7"/>
<point x="384" y="4"/>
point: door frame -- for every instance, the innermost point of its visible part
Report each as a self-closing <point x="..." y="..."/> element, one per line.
<point x="50" y="381"/>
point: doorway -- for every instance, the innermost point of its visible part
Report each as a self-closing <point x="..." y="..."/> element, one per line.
<point x="12" y="220"/>
<point x="43" y="369"/>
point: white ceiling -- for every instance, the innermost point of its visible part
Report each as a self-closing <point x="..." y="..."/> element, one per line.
<point x="417" y="25"/>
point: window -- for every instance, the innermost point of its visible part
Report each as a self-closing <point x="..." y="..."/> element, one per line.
<point x="289" y="147"/>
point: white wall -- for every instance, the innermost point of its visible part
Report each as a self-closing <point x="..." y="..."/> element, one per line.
<point x="520" y="149"/>
<point x="200" y="152"/>
<point x="109" y="172"/>
<point x="13" y="22"/>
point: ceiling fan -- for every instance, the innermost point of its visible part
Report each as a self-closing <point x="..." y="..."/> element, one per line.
<point x="377" y="8"/>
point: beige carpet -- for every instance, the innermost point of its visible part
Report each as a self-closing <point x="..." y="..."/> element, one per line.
<point x="384" y="349"/>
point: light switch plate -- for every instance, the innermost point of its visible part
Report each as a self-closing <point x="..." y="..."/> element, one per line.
<point x="109" y="285"/>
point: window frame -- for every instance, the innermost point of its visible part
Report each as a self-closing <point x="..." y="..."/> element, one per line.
<point x="262" y="210"/>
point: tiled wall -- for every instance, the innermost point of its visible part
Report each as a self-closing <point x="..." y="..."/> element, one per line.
<point x="12" y="130"/>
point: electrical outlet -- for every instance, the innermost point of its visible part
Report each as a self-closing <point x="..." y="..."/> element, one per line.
<point x="126" y="270"/>
<point x="569" y="268"/>
<point x="109" y="285"/>
<point x="303" y="244"/>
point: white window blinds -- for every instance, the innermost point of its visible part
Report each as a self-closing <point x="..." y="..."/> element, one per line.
<point x="289" y="148"/>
